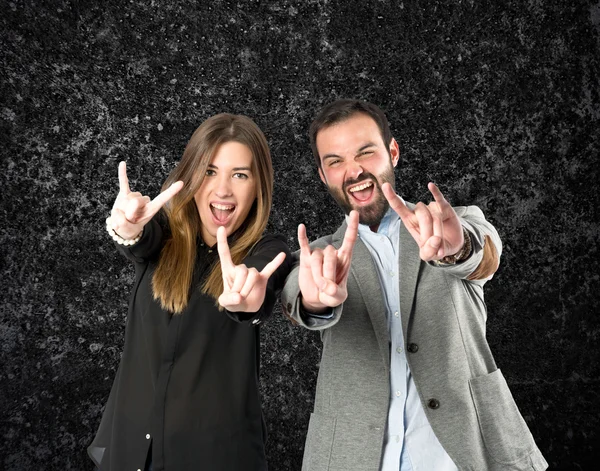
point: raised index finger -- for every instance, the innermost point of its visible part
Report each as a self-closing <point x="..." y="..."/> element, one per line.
<point x="396" y="202"/>
<point x="223" y="249"/>
<point x="351" y="233"/>
<point x="123" y="180"/>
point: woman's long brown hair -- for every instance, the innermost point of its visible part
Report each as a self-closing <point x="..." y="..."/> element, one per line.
<point x="172" y="279"/>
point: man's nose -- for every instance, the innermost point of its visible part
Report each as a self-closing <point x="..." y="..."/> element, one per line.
<point x="353" y="170"/>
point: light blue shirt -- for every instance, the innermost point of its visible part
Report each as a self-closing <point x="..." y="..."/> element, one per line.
<point x="410" y="444"/>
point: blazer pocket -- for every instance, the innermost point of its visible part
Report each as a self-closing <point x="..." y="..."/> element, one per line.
<point x="505" y="433"/>
<point x="335" y="443"/>
<point x="319" y="442"/>
<point x="356" y="445"/>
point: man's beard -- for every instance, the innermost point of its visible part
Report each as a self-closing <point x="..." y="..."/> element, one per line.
<point x="372" y="214"/>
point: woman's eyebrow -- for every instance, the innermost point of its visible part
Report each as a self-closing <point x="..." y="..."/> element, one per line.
<point x="235" y="169"/>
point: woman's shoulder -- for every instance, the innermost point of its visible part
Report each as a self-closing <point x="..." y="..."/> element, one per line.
<point x="271" y="242"/>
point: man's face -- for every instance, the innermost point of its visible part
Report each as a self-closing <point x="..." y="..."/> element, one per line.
<point x="355" y="162"/>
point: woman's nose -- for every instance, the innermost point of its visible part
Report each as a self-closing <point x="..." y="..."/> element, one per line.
<point x="223" y="186"/>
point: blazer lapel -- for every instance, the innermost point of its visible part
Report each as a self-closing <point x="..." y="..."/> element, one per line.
<point x="364" y="271"/>
<point x="409" y="263"/>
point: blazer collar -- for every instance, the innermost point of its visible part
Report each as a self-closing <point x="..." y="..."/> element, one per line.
<point x="364" y="271"/>
<point x="410" y="263"/>
<point x="370" y="288"/>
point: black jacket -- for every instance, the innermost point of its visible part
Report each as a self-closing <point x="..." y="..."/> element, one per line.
<point x="187" y="385"/>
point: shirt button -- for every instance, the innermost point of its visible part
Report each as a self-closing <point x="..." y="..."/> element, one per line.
<point x="147" y="436"/>
<point x="398" y="393"/>
<point x="399" y="349"/>
<point x="396" y="314"/>
<point x="392" y="274"/>
<point x="397" y="438"/>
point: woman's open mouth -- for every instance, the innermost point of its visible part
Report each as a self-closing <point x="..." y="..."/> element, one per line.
<point x="221" y="212"/>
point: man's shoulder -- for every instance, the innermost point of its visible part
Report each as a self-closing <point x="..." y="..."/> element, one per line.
<point x="461" y="211"/>
<point x="323" y="241"/>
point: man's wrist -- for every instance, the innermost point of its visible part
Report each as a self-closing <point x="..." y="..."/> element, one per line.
<point x="463" y="254"/>
<point x="311" y="308"/>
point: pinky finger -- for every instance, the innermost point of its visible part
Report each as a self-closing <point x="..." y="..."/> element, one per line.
<point x="273" y="265"/>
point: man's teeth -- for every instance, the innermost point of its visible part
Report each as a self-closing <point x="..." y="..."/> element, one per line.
<point x="222" y="207"/>
<point x="360" y="187"/>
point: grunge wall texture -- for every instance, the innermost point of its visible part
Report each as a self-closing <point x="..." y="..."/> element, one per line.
<point x="498" y="102"/>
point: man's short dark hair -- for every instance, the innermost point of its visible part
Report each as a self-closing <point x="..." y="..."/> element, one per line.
<point x="341" y="110"/>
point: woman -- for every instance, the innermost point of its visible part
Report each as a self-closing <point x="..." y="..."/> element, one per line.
<point x="186" y="395"/>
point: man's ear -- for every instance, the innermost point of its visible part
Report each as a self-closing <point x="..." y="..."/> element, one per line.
<point x="322" y="175"/>
<point x="394" y="152"/>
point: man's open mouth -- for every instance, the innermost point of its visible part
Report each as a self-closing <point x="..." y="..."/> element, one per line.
<point x="363" y="191"/>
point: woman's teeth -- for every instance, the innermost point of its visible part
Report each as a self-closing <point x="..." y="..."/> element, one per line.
<point x="222" y="207"/>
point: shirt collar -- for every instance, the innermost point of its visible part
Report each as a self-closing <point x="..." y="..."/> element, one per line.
<point x="388" y="220"/>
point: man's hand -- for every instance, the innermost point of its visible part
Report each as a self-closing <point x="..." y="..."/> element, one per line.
<point x="243" y="288"/>
<point x="132" y="211"/>
<point x="435" y="227"/>
<point x="324" y="272"/>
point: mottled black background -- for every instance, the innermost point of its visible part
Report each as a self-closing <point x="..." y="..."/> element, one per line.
<point x="498" y="102"/>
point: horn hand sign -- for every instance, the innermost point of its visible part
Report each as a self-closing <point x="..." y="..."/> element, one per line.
<point x="324" y="272"/>
<point x="132" y="210"/>
<point x="243" y="288"/>
<point x="435" y="227"/>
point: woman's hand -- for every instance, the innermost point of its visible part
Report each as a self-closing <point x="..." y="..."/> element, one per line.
<point x="132" y="211"/>
<point x="243" y="288"/>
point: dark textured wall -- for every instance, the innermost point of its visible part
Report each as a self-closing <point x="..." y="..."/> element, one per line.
<point x="498" y="102"/>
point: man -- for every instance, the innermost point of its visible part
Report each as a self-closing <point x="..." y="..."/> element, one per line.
<point x="407" y="380"/>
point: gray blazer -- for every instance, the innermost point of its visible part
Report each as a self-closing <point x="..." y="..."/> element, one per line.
<point x="464" y="394"/>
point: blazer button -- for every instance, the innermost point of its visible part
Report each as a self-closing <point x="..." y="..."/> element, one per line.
<point x="413" y="348"/>
<point x="433" y="404"/>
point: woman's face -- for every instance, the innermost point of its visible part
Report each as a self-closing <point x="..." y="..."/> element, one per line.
<point x="227" y="192"/>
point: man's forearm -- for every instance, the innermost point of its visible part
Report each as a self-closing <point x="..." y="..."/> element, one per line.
<point x="489" y="263"/>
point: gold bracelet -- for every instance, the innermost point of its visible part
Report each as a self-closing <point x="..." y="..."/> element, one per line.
<point x="117" y="238"/>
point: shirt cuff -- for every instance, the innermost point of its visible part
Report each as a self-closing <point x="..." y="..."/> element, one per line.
<point x="321" y="315"/>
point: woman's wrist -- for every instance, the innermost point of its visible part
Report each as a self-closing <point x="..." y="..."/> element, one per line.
<point x="117" y="238"/>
